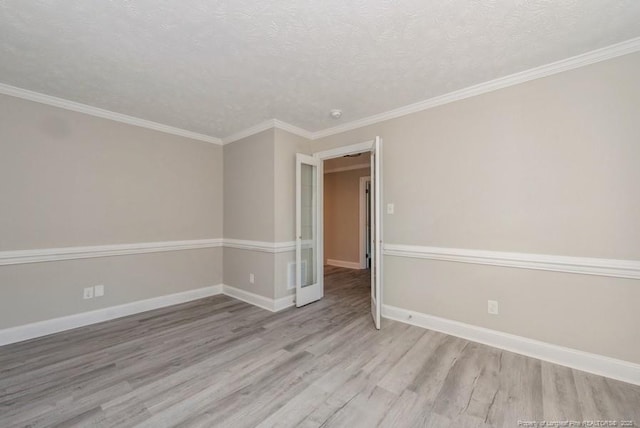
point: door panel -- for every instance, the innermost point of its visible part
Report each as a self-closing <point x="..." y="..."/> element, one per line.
<point x="309" y="287"/>
<point x="376" y="232"/>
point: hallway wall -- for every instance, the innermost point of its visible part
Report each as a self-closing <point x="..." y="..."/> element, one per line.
<point x="342" y="216"/>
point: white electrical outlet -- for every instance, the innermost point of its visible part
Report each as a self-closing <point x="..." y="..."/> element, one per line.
<point x="88" y="293"/>
<point x="390" y="208"/>
<point x="252" y="278"/>
<point x="492" y="307"/>
<point x="98" y="291"/>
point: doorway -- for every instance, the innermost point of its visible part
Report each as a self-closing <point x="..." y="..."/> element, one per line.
<point x="310" y="237"/>
<point x="345" y="211"/>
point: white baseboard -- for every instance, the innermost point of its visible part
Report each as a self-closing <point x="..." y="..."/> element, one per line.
<point x="284" y="302"/>
<point x="248" y="297"/>
<point x="273" y="305"/>
<point x="593" y="363"/>
<point x="56" y="325"/>
<point x="344" y="264"/>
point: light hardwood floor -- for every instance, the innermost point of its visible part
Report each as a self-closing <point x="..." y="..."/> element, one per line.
<point x="222" y="362"/>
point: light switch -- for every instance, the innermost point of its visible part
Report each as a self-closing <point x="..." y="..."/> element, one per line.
<point x="390" y="209"/>
<point x="98" y="290"/>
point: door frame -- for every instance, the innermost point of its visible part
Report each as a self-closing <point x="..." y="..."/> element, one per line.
<point x="363" y="221"/>
<point x="364" y="147"/>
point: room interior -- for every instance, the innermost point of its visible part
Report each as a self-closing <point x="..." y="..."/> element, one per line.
<point x="148" y="219"/>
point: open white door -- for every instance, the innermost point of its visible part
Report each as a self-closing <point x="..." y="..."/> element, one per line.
<point x="309" y="275"/>
<point x="376" y="231"/>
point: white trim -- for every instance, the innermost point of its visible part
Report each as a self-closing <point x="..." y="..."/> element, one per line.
<point x="256" y="129"/>
<point x="310" y="292"/>
<point x="347" y="168"/>
<point x="102" y="113"/>
<point x="377" y="283"/>
<point x="56" y="325"/>
<point x="366" y="146"/>
<point x="344" y="264"/>
<point x="284" y="303"/>
<point x="248" y="297"/>
<point x="263" y="246"/>
<point x="598" y="55"/>
<point x="273" y="305"/>
<point x="266" y="125"/>
<point x="72" y="253"/>
<point x="284" y="126"/>
<point x="579" y="360"/>
<point x="592" y="57"/>
<point x="581" y="265"/>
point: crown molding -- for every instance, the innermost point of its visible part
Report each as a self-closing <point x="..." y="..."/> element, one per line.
<point x="592" y="57"/>
<point x="292" y="129"/>
<point x="255" y="129"/>
<point x="266" y="125"/>
<point x="102" y="113"/>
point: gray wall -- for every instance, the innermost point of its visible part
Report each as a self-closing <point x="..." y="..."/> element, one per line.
<point x="41" y="291"/>
<point x="248" y="188"/>
<point x="549" y="167"/>
<point x="285" y="149"/>
<point x="259" y="204"/>
<point x="69" y="179"/>
<point x="249" y="211"/>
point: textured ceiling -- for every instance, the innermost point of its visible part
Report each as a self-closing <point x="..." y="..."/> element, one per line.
<point x="217" y="67"/>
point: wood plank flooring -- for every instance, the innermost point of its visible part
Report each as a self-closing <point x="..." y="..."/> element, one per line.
<point x="219" y="362"/>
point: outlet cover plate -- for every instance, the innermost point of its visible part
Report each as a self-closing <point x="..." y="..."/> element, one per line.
<point x="492" y="307"/>
<point x="88" y="293"/>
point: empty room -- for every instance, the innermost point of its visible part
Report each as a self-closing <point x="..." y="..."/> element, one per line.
<point x="319" y="214"/>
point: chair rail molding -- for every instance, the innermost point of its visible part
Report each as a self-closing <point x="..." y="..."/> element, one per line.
<point x="86" y="252"/>
<point x="581" y="265"/>
<point x="263" y="246"/>
<point x="38" y="255"/>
